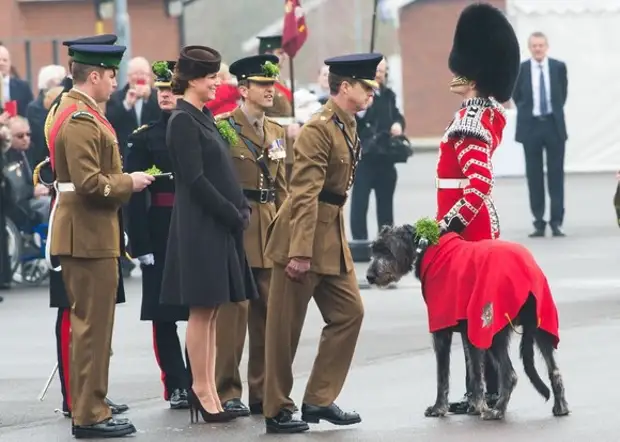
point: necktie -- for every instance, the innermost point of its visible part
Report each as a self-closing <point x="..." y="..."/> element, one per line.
<point x="259" y="131"/>
<point x="544" y="110"/>
<point x="138" y="109"/>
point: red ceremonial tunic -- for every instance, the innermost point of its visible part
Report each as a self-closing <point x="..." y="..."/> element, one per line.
<point x="484" y="282"/>
<point x="464" y="169"/>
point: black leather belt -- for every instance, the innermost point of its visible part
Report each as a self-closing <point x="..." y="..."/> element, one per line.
<point x="325" y="196"/>
<point x="261" y="196"/>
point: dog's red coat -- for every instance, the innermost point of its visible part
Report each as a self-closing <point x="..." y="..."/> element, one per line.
<point x="461" y="279"/>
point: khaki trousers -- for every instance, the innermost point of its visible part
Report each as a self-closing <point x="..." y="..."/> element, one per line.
<point x="339" y="301"/>
<point x="91" y="286"/>
<point x="233" y="319"/>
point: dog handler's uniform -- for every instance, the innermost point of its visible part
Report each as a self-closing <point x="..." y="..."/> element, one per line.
<point x="464" y="172"/>
<point x="490" y="61"/>
<point x="485" y="54"/>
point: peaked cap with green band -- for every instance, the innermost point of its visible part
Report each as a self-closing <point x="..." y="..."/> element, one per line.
<point x="104" y="39"/>
<point x="257" y="68"/>
<point x="105" y="56"/>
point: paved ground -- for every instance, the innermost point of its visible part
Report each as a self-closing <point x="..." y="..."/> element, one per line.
<point x="392" y="379"/>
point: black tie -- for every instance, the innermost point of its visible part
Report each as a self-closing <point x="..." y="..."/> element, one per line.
<point x="543" y="93"/>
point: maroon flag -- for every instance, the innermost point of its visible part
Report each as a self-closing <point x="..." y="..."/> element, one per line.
<point x="294" y="32"/>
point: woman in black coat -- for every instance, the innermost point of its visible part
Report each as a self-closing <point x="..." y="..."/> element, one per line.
<point x="206" y="264"/>
<point x="149" y="214"/>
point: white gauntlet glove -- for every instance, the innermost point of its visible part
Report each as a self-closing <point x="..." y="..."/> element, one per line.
<point x="147" y="260"/>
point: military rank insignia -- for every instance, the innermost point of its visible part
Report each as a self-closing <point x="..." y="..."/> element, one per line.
<point x="79" y="114"/>
<point x="276" y="150"/>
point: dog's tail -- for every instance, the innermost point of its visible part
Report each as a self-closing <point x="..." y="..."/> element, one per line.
<point x="527" y="350"/>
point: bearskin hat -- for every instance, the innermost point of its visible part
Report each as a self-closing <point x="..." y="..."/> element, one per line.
<point x="486" y="50"/>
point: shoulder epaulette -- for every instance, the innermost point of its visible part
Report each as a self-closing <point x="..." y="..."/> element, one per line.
<point x="273" y="121"/>
<point x="80" y="114"/>
<point x="140" y="129"/>
<point x="468" y="123"/>
<point x="138" y="134"/>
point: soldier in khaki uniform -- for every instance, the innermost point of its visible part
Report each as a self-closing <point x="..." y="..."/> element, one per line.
<point x="282" y="109"/>
<point x="259" y="154"/>
<point x="85" y="230"/>
<point x="311" y="256"/>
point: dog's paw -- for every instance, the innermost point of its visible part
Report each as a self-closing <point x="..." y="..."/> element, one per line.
<point x="560" y="408"/>
<point x="477" y="410"/>
<point x="473" y="411"/>
<point x="492" y="415"/>
<point x="436" y="411"/>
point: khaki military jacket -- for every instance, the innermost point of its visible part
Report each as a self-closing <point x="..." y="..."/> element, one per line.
<point x="251" y="178"/>
<point x="86" y="153"/>
<point x="305" y="226"/>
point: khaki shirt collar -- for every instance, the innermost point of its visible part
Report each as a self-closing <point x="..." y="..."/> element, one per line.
<point x="87" y="98"/>
<point x="348" y="120"/>
<point x="251" y="119"/>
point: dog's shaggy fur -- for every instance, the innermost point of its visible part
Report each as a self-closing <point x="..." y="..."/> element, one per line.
<point x="396" y="252"/>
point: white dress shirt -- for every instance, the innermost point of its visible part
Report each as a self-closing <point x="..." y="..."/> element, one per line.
<point x="535" y="68"/>
<point x="137" y="107"/>
<point x="6" y="89"/>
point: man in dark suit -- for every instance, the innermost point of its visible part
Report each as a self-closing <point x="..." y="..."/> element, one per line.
<point x="540" y="95"/>
<point x="135" y="104"/>
<point x="12" y="87"/>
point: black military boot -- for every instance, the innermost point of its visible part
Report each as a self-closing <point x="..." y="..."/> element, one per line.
<point x="116" y="408"/>
<point x="313" y="414"/>
<point x="108" y="428"/>
<point x="460" y="407"/>
<point x="236" y="407"/>
<point x="284" y="422"/>
<point x="178" y="400"/>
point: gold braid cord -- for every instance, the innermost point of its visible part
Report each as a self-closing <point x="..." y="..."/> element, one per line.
<point x="36" y="173"/>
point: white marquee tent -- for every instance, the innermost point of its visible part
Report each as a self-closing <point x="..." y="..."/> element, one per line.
<point x="585" y="34"/>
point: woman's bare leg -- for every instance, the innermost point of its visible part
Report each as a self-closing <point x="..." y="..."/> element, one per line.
<point x="211" y="352"/>
<point x="197" y="341"/>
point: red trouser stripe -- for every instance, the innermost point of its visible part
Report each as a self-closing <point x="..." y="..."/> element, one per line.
<point x="65" y="341"/>
<point x="163" y="374"/>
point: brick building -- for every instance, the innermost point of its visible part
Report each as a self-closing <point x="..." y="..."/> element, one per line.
<point x="423" y="39"/>
<point x="425" y="35"/>
<point x="39" y="22"/>
<point x="334" y="27"/>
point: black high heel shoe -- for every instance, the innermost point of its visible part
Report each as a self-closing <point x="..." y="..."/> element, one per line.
<point x="195" y="408"/>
